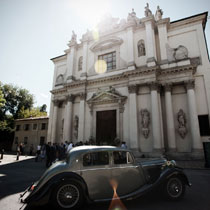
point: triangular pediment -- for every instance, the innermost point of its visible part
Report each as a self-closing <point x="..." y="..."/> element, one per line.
<point x="106" y="96"/>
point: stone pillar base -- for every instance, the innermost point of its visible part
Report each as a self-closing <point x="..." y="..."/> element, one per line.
<point x="194" y="155"/>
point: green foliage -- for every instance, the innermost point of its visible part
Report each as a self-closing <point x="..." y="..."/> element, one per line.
<point x="16" y="98"/>
<point x="2" y="100"/>
<point x="43" y="108"/>
<point x="34" y="112"/>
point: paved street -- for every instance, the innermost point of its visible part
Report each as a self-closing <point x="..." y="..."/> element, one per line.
<point x="15" y="176"/>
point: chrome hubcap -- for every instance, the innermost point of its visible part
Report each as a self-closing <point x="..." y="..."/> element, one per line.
<point x="174" y="187"/>
<point x="68" y="196"/>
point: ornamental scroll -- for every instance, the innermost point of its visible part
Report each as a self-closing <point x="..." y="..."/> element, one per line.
<point x="145" y="120"/>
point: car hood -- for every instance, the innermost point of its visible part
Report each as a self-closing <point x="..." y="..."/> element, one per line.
<point x="151" y="161"/>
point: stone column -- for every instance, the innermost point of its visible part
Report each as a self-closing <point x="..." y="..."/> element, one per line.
<point x="133" y="117"/>
<point x="170" y="119"/>
<point x="68" y="119"/>
<point x="193" y="116"/>
<point x="163" y="38"/>
<point x="130" y="48"/>
<point x="91" y="119"/>
<point x="156" y="121"/>
<point x="121" y="110"/>
<point x="150" y="40"/>
<point x="54" y="122"/>
<point x="82" y="117"/>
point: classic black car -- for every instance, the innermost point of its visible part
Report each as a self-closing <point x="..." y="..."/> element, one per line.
<point x="88" y="174"/>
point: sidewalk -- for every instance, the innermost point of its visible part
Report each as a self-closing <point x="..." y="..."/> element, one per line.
<point x="10" y="158"/>
<point x="192" y="164"/>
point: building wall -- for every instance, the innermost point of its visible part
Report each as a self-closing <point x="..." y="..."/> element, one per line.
<point x="33" y="135"/>
<point x="137" y="83"/>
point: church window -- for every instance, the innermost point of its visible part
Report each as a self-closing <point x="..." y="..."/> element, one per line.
<point x="204" y="125"/>
<point x="110" y="59"/>
<point x="80" y="63"/>
<point x="141" y="48"/>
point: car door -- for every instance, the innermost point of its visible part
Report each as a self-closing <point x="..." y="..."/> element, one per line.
<point x="128" y="176"/>
<point x="97" y="174"/>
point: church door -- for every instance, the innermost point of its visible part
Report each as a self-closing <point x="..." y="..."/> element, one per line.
<point x="105" y="127"/>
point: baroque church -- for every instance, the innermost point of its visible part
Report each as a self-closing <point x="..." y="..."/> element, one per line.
<point x="145" y="81"/>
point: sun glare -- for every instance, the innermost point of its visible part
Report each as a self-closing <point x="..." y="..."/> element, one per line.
<point x="91" y="11"/>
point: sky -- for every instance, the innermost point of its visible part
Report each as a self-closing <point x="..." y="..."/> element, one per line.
<point x="34" y="31"/>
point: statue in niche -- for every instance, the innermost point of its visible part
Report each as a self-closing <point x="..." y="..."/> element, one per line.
<point x="141" y="48"/>
<point x="76" y="126"/>
<point x="158" y="14"/>
<point x="182" y="129"/>
<point x="145" y="120"/>
<point x="147" y="11"/>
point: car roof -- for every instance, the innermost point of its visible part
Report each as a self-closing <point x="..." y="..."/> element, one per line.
<point x="90" y="148"/>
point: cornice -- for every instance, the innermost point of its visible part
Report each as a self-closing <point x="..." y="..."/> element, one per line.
<point x="188" y="20"/>
<point x="177" y="70"/>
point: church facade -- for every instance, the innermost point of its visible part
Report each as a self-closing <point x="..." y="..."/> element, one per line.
<point x="145" y="81"/>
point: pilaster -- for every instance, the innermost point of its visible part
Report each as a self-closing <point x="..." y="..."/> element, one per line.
<point x="133" y="120"/>
<point x="81" y="133"/>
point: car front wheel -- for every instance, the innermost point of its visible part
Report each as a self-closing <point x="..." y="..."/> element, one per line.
<point x="174" y="188"/>
<point x="68" y="195"/>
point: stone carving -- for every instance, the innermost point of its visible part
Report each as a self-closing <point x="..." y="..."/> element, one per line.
<point x="80" y="63"/>
<point x="73" y="40"/>
<point x="76" y="126"/>
<point x="141" y="48"/>
<point x="145" y="120"/>
<point x="132" y="17"/>
<point x="158" y="14"/>
<point x="59" y="79"/>
<point x="147" y="11"/>
<point x="108" y="23"/>
<point x="176" y="54"/>
<point x="182" y="129"/>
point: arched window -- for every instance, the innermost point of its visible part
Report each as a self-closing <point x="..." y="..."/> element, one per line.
<point x="80" y="63"/>
<point x="141" y="48"/>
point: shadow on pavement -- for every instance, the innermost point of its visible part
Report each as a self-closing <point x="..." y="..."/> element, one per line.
<point x="17" y="176"/>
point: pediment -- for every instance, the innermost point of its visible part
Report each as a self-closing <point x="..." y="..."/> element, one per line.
<point x="104" y="97"/>
<point x="106" y="44"/>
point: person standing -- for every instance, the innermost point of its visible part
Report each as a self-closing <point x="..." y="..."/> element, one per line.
<point x="47" y="149"/>
<point x="18" y="151"/>
<point x="31" y="149"/>
<point x="38" y="153"/>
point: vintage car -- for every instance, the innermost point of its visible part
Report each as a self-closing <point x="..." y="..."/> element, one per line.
<point x="88" y="174"/>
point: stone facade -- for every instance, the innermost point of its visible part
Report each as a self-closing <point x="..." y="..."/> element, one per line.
<point x="30" y="131"/>
<point x="155" y="75"/>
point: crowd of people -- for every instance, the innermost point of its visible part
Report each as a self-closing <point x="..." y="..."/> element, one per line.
<point x="51" y="152"/>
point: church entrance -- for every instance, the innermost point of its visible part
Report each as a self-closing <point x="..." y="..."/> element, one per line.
<point x="105" y="127"/>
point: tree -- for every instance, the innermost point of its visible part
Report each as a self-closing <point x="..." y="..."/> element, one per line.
<point x="2" y="100"/>
<point x="34" y="112"/>
<point x="15" y="99"/>
<point x="43" y="108"/>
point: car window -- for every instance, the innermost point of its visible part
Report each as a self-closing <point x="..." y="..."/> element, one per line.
<point x="122" y="157"/>
<point x="96" y="158"/>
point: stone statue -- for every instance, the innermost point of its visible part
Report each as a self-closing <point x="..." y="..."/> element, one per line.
<point x="158" y="14"/>
<point x="73" y="39"/>
<point x="76" y="126"/>
<point x="182" y="129"/>
<point x="132" y="17"/>
<point x="145" y="120"/>
<point x="147" y="11"/>
<point x="141" y="48"/>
